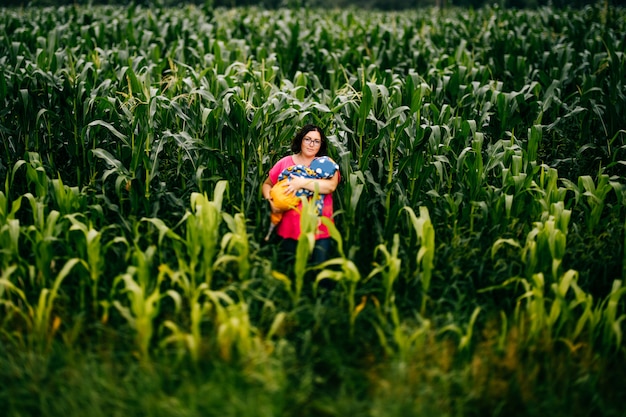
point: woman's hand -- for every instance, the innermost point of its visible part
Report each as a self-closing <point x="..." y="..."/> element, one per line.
<point x="296" y="183"/>
<point x="273" y="207"/>
<point x="323" y="186"/>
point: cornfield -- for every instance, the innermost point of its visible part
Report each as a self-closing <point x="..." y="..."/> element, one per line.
<point x="480" y="244"/>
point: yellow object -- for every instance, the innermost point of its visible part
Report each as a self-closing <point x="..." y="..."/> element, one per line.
<point x="281" y="201"/>
<point x="275" y="218"/>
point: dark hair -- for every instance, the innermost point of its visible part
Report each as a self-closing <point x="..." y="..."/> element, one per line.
<point x="296" y="143"/>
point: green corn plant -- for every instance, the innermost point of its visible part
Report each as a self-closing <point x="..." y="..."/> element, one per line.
<point x="389" y="269"/>
<point x="41" y="314"/>
<point x="548" y="189"/>
<point x="235" y="333"/>
<point x="535" y="136"/>
<point x="39" y="317"/>
<point x="466" y="335"/>
<point x="78" y="84"/>
<point x="67" y="199"/>
<point x="612" y="319"/>
<point x="367" y="106"/>
<point x="506" y="157"/>
<point x="510" y="157"/>
<point x="563" y="310"/>
<point x="585" y="321"/>
<point x="36" y="175"/>
<point x="304" y="247"/>
<point x="397" y="121"/>
<point x="620" y="191"/>
<point x="136" y="159"/>
<point x="398" y="339"/>
<point x="140" y="108"/>
<point x="123" y="178"/>
<point x="235" y="246"/>
<point x="591" y="326"/>
<point x="473" y="168"/>
<point x="596" y="195"/>
<point x="514" y="200"/>
<point x="175" y="239"/>
<point x="143" y="296"/>
<point x="202" y="232"/>
<point x="351" y="192"/>
<point x="42" y="234"/>
<point x="381" y="127"/>
<point x="342" y="270"/>
<point x="409" y="340"/>
<point x="419" y="166"/>
<point x="531" y="309"/>
<point x="425" y="233"/>
<point x="506" y="105"/>
<point x="91" y="252"/>
<point x="546" y="243"/>
<point x="12" y="298"/>
<point x="563" y="316"/>
<point x="200" y="307"/>
<point x="238" y="135"/>
<point x="9" y="230"/>
<point x="344" y="105"/>
<point x="187" y="341"/>
<point x="91" y="248"/>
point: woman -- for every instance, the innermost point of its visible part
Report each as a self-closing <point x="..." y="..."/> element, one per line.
<point x="308" y="144"/>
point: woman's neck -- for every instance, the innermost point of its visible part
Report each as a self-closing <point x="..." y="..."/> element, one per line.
<point x="300" y="159"/>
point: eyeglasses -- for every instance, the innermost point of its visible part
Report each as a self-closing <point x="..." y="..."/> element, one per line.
<point x="315" y="142"/>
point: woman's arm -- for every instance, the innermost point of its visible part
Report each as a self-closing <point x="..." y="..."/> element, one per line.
<point x="266" y="187"/>
<point x="323" y="185"/>
<point x="265" y="190"/>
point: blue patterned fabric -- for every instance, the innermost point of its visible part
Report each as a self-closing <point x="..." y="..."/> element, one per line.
<point x="322" y="167"/>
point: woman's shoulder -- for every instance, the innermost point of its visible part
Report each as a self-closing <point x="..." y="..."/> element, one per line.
<point x="279" y="166"/>
<point x="284" y="162"/>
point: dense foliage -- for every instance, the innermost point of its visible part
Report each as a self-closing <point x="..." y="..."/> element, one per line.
<point x="361" y="4"/>
<point x="480" y="243"/>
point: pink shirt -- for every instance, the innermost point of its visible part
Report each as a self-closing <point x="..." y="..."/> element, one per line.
<point x="289" y="226"/>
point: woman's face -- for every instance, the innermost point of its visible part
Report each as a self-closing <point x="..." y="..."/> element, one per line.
<point x="311" y="143"/>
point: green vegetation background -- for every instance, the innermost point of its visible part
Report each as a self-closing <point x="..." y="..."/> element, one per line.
<point x="481" y="214"/>
<point x="366" y="4"/>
